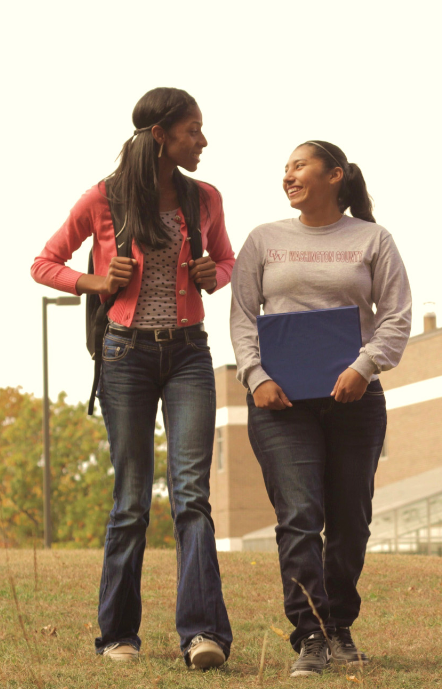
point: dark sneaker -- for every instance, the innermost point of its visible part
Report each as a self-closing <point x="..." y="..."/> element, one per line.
<point x="343" y="648"/>
<point x="313" y="658"/>
<point x="205" y="653"/>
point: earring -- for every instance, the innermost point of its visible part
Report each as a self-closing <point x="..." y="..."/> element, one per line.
<point x="161" y="150"/>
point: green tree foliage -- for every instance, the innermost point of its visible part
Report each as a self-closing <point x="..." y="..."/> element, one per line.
<point x="81" y="474"/>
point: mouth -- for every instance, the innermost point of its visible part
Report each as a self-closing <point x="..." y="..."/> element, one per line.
<point x="292" y="191"/>
<point x="196" y="156"/>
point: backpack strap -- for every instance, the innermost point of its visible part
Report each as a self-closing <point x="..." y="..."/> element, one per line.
<point x="123" y="249"/>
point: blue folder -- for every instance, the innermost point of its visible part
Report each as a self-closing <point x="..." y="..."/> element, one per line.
<point x="305" y="351"/>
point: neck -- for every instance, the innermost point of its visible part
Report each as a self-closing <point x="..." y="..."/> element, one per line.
<point x="168" y="194"/>
<point x="318" y="217"/>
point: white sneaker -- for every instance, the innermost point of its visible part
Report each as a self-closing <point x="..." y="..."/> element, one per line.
<point x="121" y="652"/>
<point x="205" y="653"/>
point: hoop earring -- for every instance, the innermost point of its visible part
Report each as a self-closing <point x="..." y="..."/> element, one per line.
<point x="161" y="150"/>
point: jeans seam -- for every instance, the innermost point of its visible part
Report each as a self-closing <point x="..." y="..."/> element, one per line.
<point x="171" y="496"/>
<point x="106" y="418"/>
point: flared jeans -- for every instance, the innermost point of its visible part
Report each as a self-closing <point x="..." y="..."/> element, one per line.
<point x="135" y="375"/>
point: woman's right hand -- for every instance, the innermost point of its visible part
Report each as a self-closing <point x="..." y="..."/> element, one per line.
<point x="269" y="395"/>
<point x="119" y="274"/>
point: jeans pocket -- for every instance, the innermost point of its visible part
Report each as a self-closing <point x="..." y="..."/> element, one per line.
<point x="200" y="345"/>
<point x="114" y="351"/>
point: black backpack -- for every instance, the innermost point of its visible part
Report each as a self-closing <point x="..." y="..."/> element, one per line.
<point x="96" y="312"/>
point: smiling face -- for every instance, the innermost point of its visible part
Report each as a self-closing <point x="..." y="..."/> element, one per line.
<point x="308" y="186"/>
<point x="184" y="141"/>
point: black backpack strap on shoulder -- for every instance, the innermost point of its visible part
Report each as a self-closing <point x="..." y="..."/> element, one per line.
<point x="101" y="320"/>
<point x="194" y="229"/>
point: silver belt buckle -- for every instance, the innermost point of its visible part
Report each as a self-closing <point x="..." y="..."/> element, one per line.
<point x="168" y="337"/>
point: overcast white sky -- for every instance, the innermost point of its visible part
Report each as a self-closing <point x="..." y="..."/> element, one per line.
<point x="267" y="76"/>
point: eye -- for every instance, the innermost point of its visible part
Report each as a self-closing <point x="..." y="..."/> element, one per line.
<point x="299" y="165"/>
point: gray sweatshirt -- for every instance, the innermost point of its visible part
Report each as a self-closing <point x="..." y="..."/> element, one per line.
<point x="288" y="266"/>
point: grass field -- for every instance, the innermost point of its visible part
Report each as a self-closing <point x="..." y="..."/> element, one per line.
<point x="400" y="625"/>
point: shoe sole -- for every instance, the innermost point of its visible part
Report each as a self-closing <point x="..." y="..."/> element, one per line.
<point x="343" y="661"/>
<point x="305" y="673"/>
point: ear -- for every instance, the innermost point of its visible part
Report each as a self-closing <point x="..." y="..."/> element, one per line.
<point x="159" y="134"/>
<point x="336" y="175"/>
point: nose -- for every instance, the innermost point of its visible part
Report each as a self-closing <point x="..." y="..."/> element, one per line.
<point x="288" y="177"/>
<point x="203" y="140"/>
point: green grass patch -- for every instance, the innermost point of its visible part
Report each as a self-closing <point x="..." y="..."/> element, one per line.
<point x="399" y="627"/>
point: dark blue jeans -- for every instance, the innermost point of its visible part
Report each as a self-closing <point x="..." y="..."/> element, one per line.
<point x="135" y="375"/>
<point x="318" y="460"/>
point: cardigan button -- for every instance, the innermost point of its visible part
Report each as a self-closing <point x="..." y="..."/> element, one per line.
<point x="182" y="292"/>
<point x="184" y="265"/>
<point x="177" y="218"/>
<point x="184" y="320"/>
<point x="188" y="239"/>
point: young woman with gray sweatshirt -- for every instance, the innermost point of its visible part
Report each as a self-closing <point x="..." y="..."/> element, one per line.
<point x="319" y="457"/>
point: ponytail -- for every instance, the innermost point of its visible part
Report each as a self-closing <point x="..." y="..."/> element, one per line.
<point x="353" y="193"/>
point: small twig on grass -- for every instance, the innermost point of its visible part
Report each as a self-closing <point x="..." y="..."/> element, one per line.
<point x="313" y="607"/>
<point x="154" y="679"/>
<point x="35" y="563"/>
<point x="324" y="631"/>
<point x="263" y="654"/>
<point x="33" y="652"/>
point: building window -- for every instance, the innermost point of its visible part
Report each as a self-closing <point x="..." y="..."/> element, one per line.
<point x="219" y="449"/>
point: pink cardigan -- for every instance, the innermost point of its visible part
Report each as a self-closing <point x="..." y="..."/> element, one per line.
<point x="91" y="216"/>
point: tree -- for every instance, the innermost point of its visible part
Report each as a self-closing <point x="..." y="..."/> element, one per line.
<point x="81" y="474"/>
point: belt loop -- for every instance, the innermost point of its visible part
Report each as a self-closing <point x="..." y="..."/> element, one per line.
<point x="134" y="338"/>
<point x="106" y="330"/>
<point x="186" y="335"/>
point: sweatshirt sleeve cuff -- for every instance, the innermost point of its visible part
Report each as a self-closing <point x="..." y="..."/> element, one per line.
<point x="255" y="377"/>
<point x="365" y="366"/>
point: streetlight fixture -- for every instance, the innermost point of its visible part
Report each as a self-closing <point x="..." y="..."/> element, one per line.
<point x="59" y="301"/>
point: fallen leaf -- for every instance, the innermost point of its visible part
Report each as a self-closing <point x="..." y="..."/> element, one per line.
<point x="352" y="678"/>
<point x="280" y="633"/>
<point x="88" y="625"/>
<point x="411" y="588"/>
<point x="49" y="630"/>
<point x="253" y="563"/>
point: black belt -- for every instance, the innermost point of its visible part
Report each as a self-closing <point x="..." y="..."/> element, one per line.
<point x="193" y="332"/>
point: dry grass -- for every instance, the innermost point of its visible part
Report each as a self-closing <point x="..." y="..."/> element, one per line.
<point x="400" y="626"/>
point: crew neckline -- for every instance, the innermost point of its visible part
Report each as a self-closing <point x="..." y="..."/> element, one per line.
<point x="175" y="212"/>
<point x="323" y="229"/>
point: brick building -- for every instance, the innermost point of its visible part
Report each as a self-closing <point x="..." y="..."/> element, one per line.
<point x="413" y="447"/>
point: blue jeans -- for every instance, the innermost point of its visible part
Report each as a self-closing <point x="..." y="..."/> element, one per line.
<point x="318" y="460"/>
<point x="135" y="375"/>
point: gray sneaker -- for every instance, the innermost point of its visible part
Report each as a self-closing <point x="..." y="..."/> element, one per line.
<point x="205" y="653"/>
<point x="343" y="648"/>
<point x="122" y="652"/>
<point x="313" y="658"/>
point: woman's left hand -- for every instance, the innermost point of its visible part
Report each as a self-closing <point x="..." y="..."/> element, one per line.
<point x="203" y="272"/>
<point x="349" y="387"/>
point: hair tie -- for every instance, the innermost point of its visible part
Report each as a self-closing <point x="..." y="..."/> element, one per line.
<point x="143" y="129"/>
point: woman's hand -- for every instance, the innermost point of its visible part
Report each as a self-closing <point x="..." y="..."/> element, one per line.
<point x="203" y="272"/>
<point x="119" y="274"/>
<point x="349" y="387"/>
<point x="269" y="395"/>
